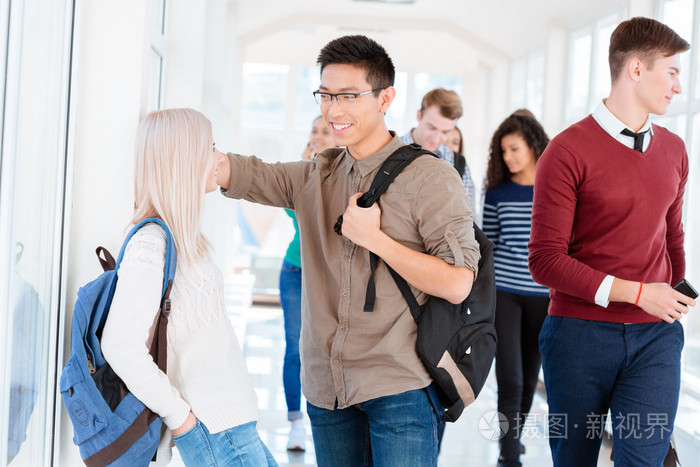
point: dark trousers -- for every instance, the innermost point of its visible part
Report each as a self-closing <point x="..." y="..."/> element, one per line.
<point x="519" y="319"/>
<point x="634" y="370"/>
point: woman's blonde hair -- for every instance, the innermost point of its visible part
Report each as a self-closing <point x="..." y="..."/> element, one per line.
<point x="173" y="159"/>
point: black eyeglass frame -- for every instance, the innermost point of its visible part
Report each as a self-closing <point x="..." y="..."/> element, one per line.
<point x="354" y="95"/>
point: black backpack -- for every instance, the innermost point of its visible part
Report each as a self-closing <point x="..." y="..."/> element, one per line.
<point x="460" y="164"/>
<point x="456" y="343"/>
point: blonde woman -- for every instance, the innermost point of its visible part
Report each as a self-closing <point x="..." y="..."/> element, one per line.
<point x="206" y="399"/>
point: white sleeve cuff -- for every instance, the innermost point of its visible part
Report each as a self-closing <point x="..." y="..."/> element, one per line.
<point x="177" y="415"/>
<point x="602" y="296"/>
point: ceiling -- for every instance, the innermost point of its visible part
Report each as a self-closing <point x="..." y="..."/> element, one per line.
<point x="437" y="30"/>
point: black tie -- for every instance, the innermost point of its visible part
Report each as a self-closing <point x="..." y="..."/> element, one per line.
<point x="638" y="138"/>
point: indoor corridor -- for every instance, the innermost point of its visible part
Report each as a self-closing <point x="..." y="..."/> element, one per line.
<point x="470" y="442"/>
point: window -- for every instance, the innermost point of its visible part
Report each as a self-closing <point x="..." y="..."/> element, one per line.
<point x="588" y="77"/>
<point x="535" y="83"/>
<point x="601" y="69"/>
<point x="410" y="89"/>
<point x="396" y="118"/>
<point x="678" y="14"/>
<point x="264" y="95"/>
<point x="32" y="190"/>
<point x="424" y="82"/>
<point x="683" y="118"/>
<point x="263" y="117"/>
<point x="691" y="352"/>
<point x="527" y="83"/>
<point x="306" y="110"/>
<point x="579" y="74"/>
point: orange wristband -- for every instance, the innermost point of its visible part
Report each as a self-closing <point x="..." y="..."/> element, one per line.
<point x="640" y="293"/>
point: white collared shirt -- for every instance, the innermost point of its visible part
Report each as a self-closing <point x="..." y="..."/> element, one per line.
<point x="613" y="126"/>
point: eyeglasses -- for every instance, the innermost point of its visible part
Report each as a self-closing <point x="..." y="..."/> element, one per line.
<point x="324" y="99"/>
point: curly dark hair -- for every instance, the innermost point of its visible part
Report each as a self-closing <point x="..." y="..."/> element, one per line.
<point x="532" y="132"/>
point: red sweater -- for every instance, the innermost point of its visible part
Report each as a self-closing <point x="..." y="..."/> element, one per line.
<point x="602" y="208"/>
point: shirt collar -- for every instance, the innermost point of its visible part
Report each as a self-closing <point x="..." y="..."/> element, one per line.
<point x="611" y="124"/>
<point x="370" y="163"/>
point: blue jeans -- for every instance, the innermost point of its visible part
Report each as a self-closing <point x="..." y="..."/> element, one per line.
<point x="290" y="298"/>
<point x="398" y="430"/>
<point x="631" y="369"/>
<point x="239" y="446"/>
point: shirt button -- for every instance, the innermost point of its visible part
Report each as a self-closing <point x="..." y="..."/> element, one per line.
<point x="335" y="362"/>
<point x="347" y="257"/>
<point x="345" y="293"/>
<point x="341" y="328"/>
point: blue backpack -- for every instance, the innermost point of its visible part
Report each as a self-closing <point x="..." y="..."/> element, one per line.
<point x="110" y="425"/>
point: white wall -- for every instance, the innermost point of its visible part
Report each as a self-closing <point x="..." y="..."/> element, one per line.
<point x="108" y="96"/>
<point x="201" y="72"/>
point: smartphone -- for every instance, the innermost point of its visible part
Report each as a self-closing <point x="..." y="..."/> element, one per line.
<point x="685" y="288"/>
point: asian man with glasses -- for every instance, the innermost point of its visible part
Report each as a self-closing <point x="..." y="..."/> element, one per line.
<point x="369" y="396"/>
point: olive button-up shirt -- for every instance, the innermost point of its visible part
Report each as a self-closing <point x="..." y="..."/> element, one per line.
<point x="350" y="356"/>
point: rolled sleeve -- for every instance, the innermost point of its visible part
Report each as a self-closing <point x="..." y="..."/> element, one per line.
<point x="271" y="184"/>
<point x="445" y="220"/>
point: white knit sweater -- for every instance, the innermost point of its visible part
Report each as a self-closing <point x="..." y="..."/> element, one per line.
<point x="206" y="369"/>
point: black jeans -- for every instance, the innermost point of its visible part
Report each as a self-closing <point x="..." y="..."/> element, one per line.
<point x="519" y="319"/>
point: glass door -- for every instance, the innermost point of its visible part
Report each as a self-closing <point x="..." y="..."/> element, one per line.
<point x="35" y="81"/>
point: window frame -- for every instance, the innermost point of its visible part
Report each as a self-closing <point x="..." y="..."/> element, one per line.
<point x="14" y="28"/>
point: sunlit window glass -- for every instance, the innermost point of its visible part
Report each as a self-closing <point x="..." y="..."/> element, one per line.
<point x="264" y="95"/>
<point x="308" y="80"/>
<point x="535" y="83"/>
<point x="678" y="15"/>
<point x="398" y="113"/>
<point x="424" y="82"/>
<point x="601" y="76"/>
<point x="31" y="214"/>
<point x="691" y="350"/>
<point x="579" y="75"/>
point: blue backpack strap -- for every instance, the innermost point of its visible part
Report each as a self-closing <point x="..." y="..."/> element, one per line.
<point x="92" y="344"/>
<point x="170" y="253"/>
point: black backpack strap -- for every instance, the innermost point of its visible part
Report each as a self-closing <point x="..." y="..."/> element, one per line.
<point x="389" y="170"/>
<point x="407" y="294"/>
<point x="460" y="163"/>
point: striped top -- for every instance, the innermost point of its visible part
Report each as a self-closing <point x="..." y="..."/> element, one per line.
<point x="507" y="221"/>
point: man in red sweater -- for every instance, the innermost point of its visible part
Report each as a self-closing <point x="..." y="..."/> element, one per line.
<point x="607" y="239"/>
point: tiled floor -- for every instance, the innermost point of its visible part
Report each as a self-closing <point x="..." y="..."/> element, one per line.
<point x="467" y="442"/>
